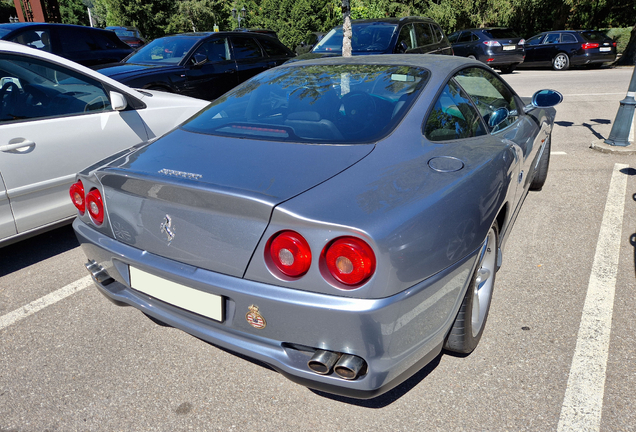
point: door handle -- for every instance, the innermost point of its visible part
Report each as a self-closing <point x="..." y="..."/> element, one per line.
<point x="18" y="147"/>
<point x="229" y="71"/>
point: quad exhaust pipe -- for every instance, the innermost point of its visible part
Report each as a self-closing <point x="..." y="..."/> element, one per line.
<point x="346" y="366"/>
<point x="99" y="274"/>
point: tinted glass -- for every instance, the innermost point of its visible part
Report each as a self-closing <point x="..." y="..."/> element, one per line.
<point x="594" y="36"/>
<point x="489" y="93"/>
<point x="552" y="38"/>
<point x="568" y="38"/>
<point x="535" y="40"/>
<point x="163" y="50"/>
<point x="453" y="116"/>
<point x="407" y="37"/>
<point x="423" y="34"/>
<point x="315" y="104"/>
<point x="500" y="34"/>
<point x="273" y="49"/>
<point x="465" y="37"/>
<point x="366" y="38"/>
<point x="76" y="40"/>
<point x="245" y="47"/>
<point x="439" y="34"/>
<point x="40" y="39"/>
<point x="215" y="50"/>
<point x="453" y="38"/>
<point x="32" y="89"/>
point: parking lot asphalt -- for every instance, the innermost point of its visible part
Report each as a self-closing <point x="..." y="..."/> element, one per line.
<point x="72" y="361"/>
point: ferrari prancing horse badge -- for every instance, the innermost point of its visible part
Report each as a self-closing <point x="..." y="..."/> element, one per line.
<point x="254" y="318"/>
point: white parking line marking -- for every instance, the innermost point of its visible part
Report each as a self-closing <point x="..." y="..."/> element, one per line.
<point x="42" y="302"/>
<point x="583" y="402"/>
<point x="557" y="153"/>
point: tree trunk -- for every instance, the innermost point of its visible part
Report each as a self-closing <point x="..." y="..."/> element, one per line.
<point x="629" y="55"/>
<point x="346" y="29"/>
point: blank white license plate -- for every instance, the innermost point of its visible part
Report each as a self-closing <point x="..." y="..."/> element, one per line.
<point x="603" y="49"/>
<point x="199" y="302"/>
<point x="509" y="47"/>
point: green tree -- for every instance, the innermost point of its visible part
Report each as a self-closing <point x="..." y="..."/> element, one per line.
<point x="200" y="15"/>
<point x="74" y="12"/>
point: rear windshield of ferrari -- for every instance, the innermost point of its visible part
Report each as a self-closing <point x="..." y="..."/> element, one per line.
<point x="330" y="104"/>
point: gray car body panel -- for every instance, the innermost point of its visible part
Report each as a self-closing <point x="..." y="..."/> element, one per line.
<point x="425" y="209"/>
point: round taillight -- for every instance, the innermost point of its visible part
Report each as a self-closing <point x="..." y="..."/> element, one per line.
<point x="77" y="196"/>
<point x="350" y="261"/>
<point x="290" y="253"/>
<point x="95" y="206"/>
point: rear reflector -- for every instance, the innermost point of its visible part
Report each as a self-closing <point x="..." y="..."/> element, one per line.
<point x="77" y="196"/>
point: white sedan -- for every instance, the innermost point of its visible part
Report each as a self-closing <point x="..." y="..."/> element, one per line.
<point x="57" y="118"/>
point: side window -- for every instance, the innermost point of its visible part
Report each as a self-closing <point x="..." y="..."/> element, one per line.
<point x="407" y="35"/>
<point x="76" y="40"/>
<point x="40" y="39"/>
<point x="245" y="48"/>
<point x="215" y="50"/>
<point x="453" y="116"/>
<point x="439" y="34"/>
<point x="423" y="34"/>
<point x="465" y="37"/>
<point x="453" y="38"/>
<point x="106" y="41"/>
<point x="536" y="40"/>
<point x="32" y="89"/>
<point x="568" y="38"/>
<point x="552" y="38"/>
<point x="273" y="49"/>
<point x="488" y="93"/>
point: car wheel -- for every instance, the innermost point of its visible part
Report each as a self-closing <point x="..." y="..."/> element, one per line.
<point x="471" y="318"/>
<point x="561" y="62"/>
<point x="472" y="57"/>
<point x="542" y="169"/>
<point x="507" y="69"/>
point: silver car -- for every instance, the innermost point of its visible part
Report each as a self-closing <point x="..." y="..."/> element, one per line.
<point x="341" y="220"/>
<point x="58" y="117"/>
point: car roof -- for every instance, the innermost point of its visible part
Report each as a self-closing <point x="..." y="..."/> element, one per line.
<point x="7" y="47"/>
<point x="16" y="26"/>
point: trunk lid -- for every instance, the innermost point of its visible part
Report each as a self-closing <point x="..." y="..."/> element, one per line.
<point x="206" y="200"/>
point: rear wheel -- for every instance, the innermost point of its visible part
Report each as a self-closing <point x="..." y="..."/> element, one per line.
<point x="507" y="69"/>
<point x="542" y="170"/>
<point x="561" y="62"/>
<point x="471" y="318"/>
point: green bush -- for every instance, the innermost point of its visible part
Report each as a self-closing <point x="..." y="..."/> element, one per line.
<point x="620" y="35"/>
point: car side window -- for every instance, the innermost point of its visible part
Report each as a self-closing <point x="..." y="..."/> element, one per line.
<point x="272" y="48"/>
<point x="423" y="34"/>
<point x="536" y="40"/>
<point x="552" y="38"/>
<point x="245" y="48"/>
<point x="40" y="39"/>
<point x="439" y="34"/>
<point x="33" y="89"/>
<point x="407" y="36"/>
<point x="215" y="50"/>
<point x="489" y="93"/>
<point x="568" y="38"/>
<point x="453" y="38"/>
<point x="465" y="37"/>
<point x="453" y="116"/>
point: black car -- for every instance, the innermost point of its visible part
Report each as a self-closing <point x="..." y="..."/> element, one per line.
<point x="499" y="48"/>
<point x="130" y="35"/>
<point x="564" y="48"/>
<point x="85" y="45"/>
<point x="410" y="35"/>
<point x="202" y="65"/>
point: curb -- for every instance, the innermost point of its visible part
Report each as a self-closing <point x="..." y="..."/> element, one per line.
<point x="602" y="147"/>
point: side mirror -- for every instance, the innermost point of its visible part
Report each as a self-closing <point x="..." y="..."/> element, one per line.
<point x="200" y="59"/>
<point x="498" y="117"/>
<point x="118" y="101"/>
<point x="401" y="48"/>
<point x="546" y="98"/>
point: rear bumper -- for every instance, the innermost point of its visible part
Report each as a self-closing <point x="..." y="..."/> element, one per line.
<point x="591" y="58"/>
<point x="396" y="336"/>
<point x="501" y="59"/>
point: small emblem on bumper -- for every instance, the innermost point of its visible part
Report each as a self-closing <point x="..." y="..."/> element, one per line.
<point x="254" y="318"/>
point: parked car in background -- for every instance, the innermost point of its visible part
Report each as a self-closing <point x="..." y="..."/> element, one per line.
<point x="56" y="118"/>
<point x="500" y="48"/>
<point x="564" y="48"/>
<point x="309" y="42"/>
<point x="84" y="45"/>
<point x="409" y="35"/>
<point x="341" y="220"/>
<point x="268" y="32"/>
<point x="203" y="65"/>
<point x="130" y="35"/>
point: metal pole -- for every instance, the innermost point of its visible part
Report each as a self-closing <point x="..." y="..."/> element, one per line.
<point x="619" y="135"/>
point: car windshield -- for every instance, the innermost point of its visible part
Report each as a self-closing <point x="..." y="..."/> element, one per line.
<point x="4" y="32"/>
<point x="126" y="33"/>
<point x="345" y="103"/>
<point x="501" y="34"/>
<point x="594" y="36"/>
<point x="163" y="50"/>
<point x="369" y="37"/>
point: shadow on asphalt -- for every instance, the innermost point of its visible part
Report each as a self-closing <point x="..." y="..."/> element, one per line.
<point x="35" y="249"/>
<point x="587" y="125"/>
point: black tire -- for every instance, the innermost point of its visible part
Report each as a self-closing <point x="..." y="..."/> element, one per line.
<point x="467" y="328"/>
<point x="507" y="69"/>
<point x="561" y="62"/>
<point x="542" y="169"/>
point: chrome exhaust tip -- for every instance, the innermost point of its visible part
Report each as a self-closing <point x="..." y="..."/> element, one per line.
<point x="98" y="273"/>
<point x="349" y="366"/>
<point x="322" y="361"/>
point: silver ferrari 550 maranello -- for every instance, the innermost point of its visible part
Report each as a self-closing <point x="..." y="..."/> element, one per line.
<point x="340" y="219"/>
